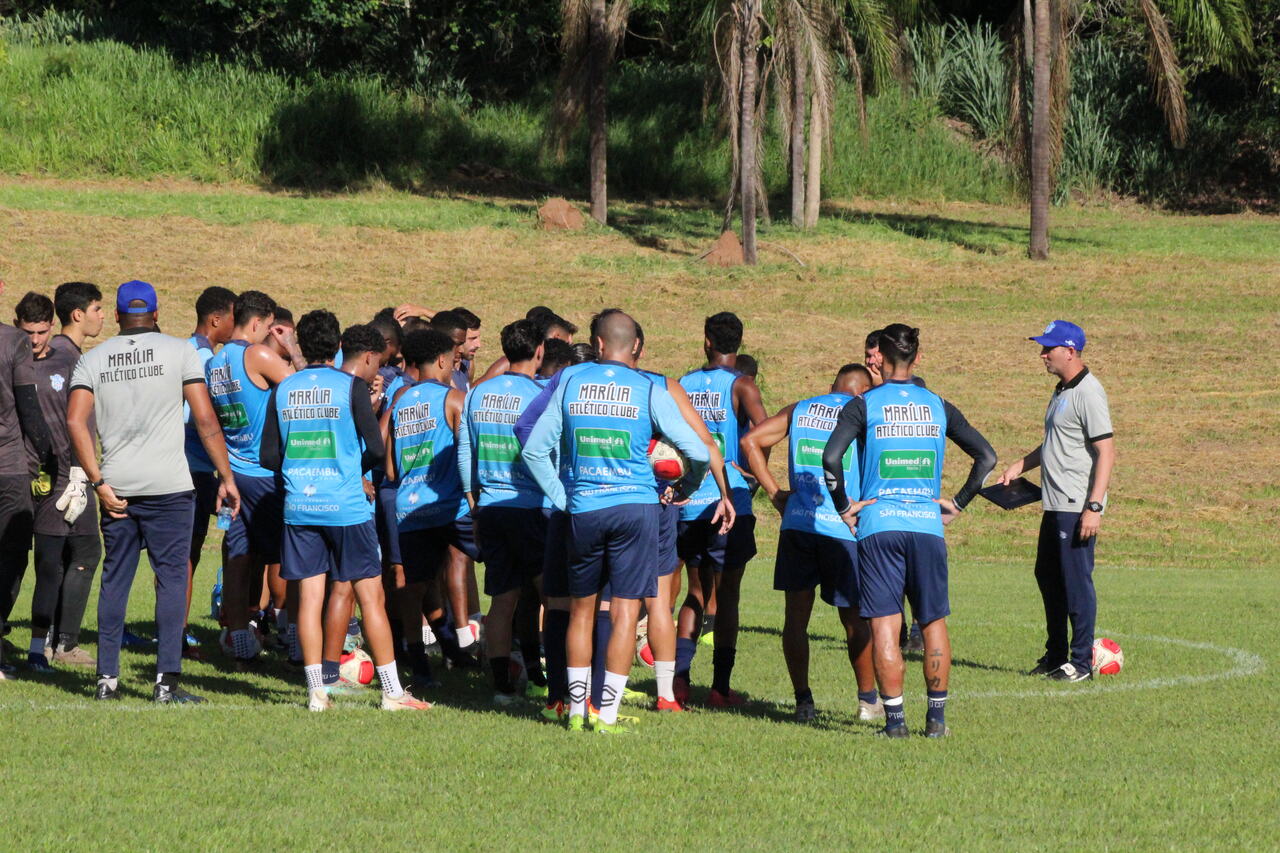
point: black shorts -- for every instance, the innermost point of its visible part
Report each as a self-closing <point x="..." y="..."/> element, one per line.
<point x="513" y="541"/>
<point x="896" y="563"/>
<point x="807" y="560"/>
<point x="16" y="513"/>
<point x="555" y="556"/>
<point x="423" y="552"/>
<point x="206" y="486"/>
<point x="702" y="545"/>
<point x="668" y="530"/>
<point x="617" y="546"/>
<point x="388" y="530"/>
<point x="257" y="527"/>
<point x="347" y="553"/>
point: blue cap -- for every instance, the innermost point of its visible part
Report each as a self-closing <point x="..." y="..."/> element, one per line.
<point x="1060" y="333"/>
<point x="132" y="291"/>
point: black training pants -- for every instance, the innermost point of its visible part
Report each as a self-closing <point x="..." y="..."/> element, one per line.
<point x="64" y="577"/>
<point x="16" y="518"/>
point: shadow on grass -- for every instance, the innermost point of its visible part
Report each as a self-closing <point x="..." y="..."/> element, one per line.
<point x="993" y="238"/>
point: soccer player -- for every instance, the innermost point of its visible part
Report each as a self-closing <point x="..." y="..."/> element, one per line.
<point x="67" y="549"/>
<point x="321" y="435"/>
<point x="553" y="326"/>
<point x="134" y="385"/>
<point x="815" y="548"/>
<point x="901" y="430"/>
<point x="1076" y="458"/>
<point x="511" y="530"/>
<point x="241" y="377"/>
<point x="420" y="427"/>
<point x="214" y="324"/>
<point x="724" y="398"/>
<point x="602" y="418"/>
<point x="78" y="305"/>
<point x="472" y="344"/>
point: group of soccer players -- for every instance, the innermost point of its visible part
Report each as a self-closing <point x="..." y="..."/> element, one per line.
<point x="376" y="465"/>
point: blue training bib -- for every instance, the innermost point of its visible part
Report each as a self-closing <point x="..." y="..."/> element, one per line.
<point x="710" y="390"/>
<point x="429" y="493"/>
<point x="810" y="507"/>
<point x="491" y="411"/>
<point x="902" y="460"/>
<point x="241" y="408"/>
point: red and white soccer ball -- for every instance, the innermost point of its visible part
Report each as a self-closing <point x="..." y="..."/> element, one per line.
<point x="667" y="461"/>
<point x="1108" y="657"/>
<point x="357" y="667"/>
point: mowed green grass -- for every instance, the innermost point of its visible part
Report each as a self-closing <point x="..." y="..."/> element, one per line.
<point x="1177" y="751"/>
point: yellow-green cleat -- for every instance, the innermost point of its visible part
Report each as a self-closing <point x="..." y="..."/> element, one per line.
<point x="577" y="723"/>
<point x="533" y="691"/>
<point x="618" y="728"/>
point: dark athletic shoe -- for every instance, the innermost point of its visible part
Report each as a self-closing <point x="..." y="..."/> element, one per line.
<point x="934" y="728"/>
<point x="105" y="693"/>
<point x="39" y="664"/>
<point x="894" y="732"/>
<point x="1043" y="667"/>
<point x="167" y="692"/>
<point x="1069" y="672"/>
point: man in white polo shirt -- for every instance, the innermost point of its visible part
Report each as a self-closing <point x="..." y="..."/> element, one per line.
<point x="1076" y="459"/>
<point x="135" y="385"/>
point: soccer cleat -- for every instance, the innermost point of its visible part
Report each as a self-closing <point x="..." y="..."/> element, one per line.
<point x="915" y="639"/>
<point x="74" y="656"/>
<point x="506" y="700"/>
<point x="535" y="691"/>
<point x="344" y="687"/>
<point x="680" y="689"/>
<point x="577" y="723"/>
<point x="404" y="702"/>
<point x="593" y="716"/>
<point x="425" y="681"/>
<point x="38" y="663"/>
<point x="318" y="700"/>
<point x="668" y="705"/>
<point x="1043" y="667"/>
<point x="619" y="728"/>
<point x="894" y="732"/>
<point x="806" y="711"/>
<point x="130" y="640"/>
<point x="106" y="693"/>
<point x="936" y="728"/>
<point x="868" y="711"/>
<point x="6" y="672"/>
<point x="554" y="712"/>
<point x="351" y="643"/>
<point x="634" y="697"/>
<point x="1068" y="672"/>
<point x="707" y="639"/>
<point x="461" y="660"/>
<point x="168" y="692"/>
<point x="732" y="699"/>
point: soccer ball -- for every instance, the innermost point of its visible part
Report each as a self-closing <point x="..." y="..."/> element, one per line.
<point x="1108" y="657"/>
<point x="356" y="667"/>
<point x="228" y="648"/>
<point x="667" y="461"/>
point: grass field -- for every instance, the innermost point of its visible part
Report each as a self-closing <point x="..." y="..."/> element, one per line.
<point x="1178" y="751"/>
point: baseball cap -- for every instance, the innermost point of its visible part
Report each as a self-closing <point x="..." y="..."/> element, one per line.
<point x="134" y="290"/>
<point x="1060" y="333"/>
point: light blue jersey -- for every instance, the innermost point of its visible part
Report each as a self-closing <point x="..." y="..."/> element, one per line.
<point x="906" y="441"/>
<point x="810" y="507"/>
<point x="197" y="457"/>
<point x="710" y="390"/>
<point x="241" y="408"/>
<point x="426" y="459"/>
<point x="488" y="450"/>
<point x="601" y="417"/>
<point x="322" y="457"/>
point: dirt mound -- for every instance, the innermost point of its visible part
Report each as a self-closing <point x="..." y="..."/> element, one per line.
<point x="726" y="251"/>
<point x="558" y="214"/>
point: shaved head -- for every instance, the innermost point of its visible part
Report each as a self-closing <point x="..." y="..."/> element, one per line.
<point x="616" y="332"/>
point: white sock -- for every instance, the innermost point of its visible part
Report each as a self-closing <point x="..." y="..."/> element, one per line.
<point x="241" y="644"/>
<point x="315" y="676"/>
<point x="665" y="672"/>
<point x="389" y="678"/>
<point x="611" y="696"/>
<point x="466" y="637"/>
<point x="579" y="689"/>
<point x="291" y="637"/>
<point x="37" y="646"/>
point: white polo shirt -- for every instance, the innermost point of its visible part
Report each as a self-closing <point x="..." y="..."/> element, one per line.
<point x="1077" y="416"/>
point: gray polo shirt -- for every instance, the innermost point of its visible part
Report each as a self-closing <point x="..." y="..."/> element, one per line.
<point x="137" y="380"/>
<point x="1077" y="417"/>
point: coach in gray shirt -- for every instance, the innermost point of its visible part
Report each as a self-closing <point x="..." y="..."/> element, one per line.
<point x="1075" y="458"/>
<point x="135" y="385"/>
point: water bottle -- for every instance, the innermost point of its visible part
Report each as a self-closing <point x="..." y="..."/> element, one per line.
<point x="224" y="518"/>
<point x="215" y="598"/>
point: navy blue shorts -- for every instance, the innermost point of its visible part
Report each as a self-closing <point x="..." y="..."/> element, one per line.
<point x="555" y="557"/>
<point x="668" y="529"/>
<point x="206" y="487"/>
<point x="895" y="563"/>
<point x="807" y="560"/>
<point x="618" y="546"/>
<point x="702" y="545"/>
<point x="388" y="528"/>
<point x="423" y="551"/>
<point x="345" y="553"/>
<point x="256" y="528"/>
<point x="513" y="541"/>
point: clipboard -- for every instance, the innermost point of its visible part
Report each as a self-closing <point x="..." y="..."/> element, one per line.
<point x="1019" y="492"/>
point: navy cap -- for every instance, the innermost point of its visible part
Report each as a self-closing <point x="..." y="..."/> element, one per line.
<point x="132" y="291"/>
<point x="1060" y="333"/>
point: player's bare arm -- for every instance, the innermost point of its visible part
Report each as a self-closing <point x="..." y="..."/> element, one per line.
<point x="756" y="442"/>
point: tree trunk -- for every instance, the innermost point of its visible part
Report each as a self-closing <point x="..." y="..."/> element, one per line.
<point x="598" y="50"/>
<point x="747" y="132"/>
<point x="1040" y="130"/>
<point x="797" y="138"/>
<point x="813" y="196"/>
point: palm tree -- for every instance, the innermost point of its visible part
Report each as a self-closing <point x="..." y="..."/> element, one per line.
<point x="592" y="30"/>
<point x="1217" y="30"/>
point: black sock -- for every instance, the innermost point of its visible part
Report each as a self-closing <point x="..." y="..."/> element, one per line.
<point x="447" y="637"/>
<point x="722" y="661"/>
<point x="895" y="713"/>
<point x="419" y="664"/>
<point x="556" y="626"/>
<point x="604" y="630"/>
<point x="805" y="695"/>
<point x="501" y="668"/>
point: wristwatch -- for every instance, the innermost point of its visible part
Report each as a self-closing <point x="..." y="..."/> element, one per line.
<point x="1093" y="506"/>
<point x="97" y="484"/>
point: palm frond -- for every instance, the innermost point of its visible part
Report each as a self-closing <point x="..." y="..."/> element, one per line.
<point x="1219" y="31"/>
<point x="1166" y="75"/>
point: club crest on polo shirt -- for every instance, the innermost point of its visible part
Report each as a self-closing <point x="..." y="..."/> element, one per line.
<point x="57" y="381"/>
